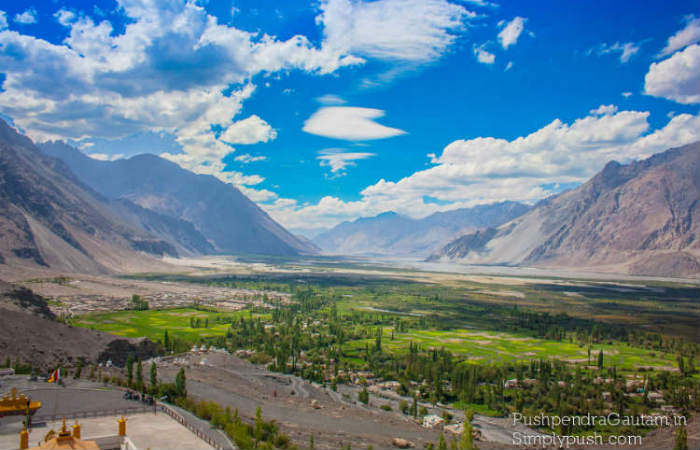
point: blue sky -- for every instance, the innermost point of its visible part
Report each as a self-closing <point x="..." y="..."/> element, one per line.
<point x="330" y="110"/>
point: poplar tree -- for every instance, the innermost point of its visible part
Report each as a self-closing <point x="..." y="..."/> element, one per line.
<point x="180" y="383"/>
<point x="467" y="440"/>
<point x="129" y="369"/>
<point x="139" y="376"/>
<point x="154" y="376"/>
<point x="681" y="439"/>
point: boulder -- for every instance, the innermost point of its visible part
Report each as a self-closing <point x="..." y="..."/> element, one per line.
<point x="402" y="443"/>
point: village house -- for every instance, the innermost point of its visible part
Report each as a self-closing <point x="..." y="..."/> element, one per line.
<point x="433" y="422"/>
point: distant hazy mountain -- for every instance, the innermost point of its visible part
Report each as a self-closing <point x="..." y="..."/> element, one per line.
<point x="392" y="234"/>
<point x="640" y="218"/>
<point x="49" y="218"/>
<point x="180" y="233"/>
<point x="226" y="218"/>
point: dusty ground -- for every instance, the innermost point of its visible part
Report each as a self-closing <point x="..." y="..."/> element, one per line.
<point x="339" y="420"/>
<point x="238" y="384"/>
<point x="664" y="438"/>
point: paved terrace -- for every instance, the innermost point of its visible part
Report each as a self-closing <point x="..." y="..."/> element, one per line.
<point x="145" y="430"/>
<point x="97" y="408"/>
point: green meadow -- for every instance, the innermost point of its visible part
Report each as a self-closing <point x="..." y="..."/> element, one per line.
<point x="153" y="323"/>
<point x="473" y="320"/>
<point x="479" y="346"/>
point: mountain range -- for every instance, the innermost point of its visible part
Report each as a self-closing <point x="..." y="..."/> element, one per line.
<point x="639" y="218"/>
<point x="218" y="213"/>
<point x="49" y="218"/>
<point x="392" y="234"/>
<point x="64" y="210"/>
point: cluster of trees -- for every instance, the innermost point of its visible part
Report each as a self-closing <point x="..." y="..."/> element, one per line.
<point x="197" y="322"/>
<point x="19" y="366"/>
<point x="175" y="344"/>
<point x="135" y="380"/>
<point x="309" y="337"/>
<point x="137" y="303"/>
<point x="260" y="434"/>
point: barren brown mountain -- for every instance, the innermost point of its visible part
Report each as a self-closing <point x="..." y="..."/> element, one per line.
<point x="49" y="218"/>
<point x="229" y="221"/>
<point x="640" y="218"/>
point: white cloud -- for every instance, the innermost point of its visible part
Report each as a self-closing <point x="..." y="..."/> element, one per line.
<point x="483" y="56"/>
<point x="248" y="131"/>
<point x="3" y="20"/>
<point x="213" y="168"/>
<point x="393" y="30"/>
<point x="626" y="50"/>
<point x="257" y="195"/>
<point x="676" y="78"/>
<point x="105" y="157"/>
<point x="604" y="110"/>
<point x="122" y="83"/>
<point x="626" y="94"/>
<point x="690" y="34"/>
<point x="481" y="3"/>
<point x="330" y="99"/>
<point x="486" y="169"/>
<point x="511" y="32"/>
<point x="246" y="158"/>
<point x="349" y="123"/>
<point x="339" y="160"/>
<point x="65" y="17"/>
<point x="27" y="17"/>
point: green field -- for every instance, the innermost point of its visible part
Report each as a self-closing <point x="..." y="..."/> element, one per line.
<point x="480" y="346"/>
<point x="672" y="309"/>
<point x="153" y="323"/>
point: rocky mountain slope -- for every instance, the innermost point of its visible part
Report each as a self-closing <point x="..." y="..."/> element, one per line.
<point x="229" y="221"/>
<point x="49" y="218"/>
<point x="28" y="332"/>
<point x="393" y="234"/>
<point x="19" y="298"/>
<point x="639" y="218"/>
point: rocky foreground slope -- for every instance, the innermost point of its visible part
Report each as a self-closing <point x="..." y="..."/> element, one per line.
<point x="640" y="218"/>
<point x="29" y="331"/>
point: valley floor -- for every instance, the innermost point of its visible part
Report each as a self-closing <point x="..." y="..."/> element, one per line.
<point x="496" y="320"/>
